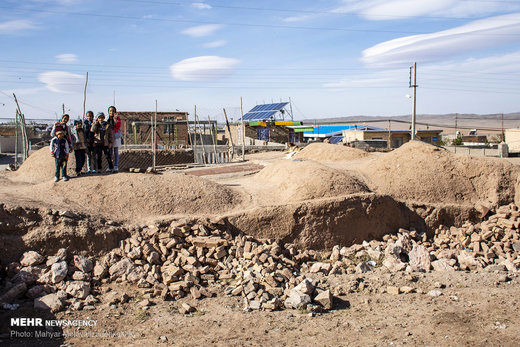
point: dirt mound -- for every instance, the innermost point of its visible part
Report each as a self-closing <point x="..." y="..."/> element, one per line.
<point x="421" y="172"/>
<point x="305" y="179"/>
<point x="126" y="195"/>
<point x="38" y="167"/>
<point x="327" y="152"/>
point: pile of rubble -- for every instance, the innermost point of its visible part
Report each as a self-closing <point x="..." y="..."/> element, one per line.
<point x="196" y="259"/>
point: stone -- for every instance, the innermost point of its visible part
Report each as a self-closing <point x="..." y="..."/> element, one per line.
<point x="154" y="258"/>
<point x="83" y="263"/>
<point x="364" y="267"/>
<point x="35" y="291"/>
<point x="435" y="293"/>
<point x="393" y="264"/>
<point x="255" y="304"/>
<point x="59" y="256"/>
<point x="195" y="293"/>
<point x="442" y="265"/>
<point x="467" y="261"/>
<point x="80" y="276"/>
<point x="419" y="258"/>
<point x="305" y="287"/>
<point x="335" y="255"/>
<point x="100" y="270"/>
<point x="146" y="303"/>
<point x="407" y="289"/>
<point x="325" y="299"/>
<point x="393" y="290"/>
<point x="320" y="267"/>
<point x="186" y="308"/>
<point x="15" y="292"/>
<point x="297" y="301"/>
<point x="135" y="253"/>
<point x="121" y="268"/>
<point x="31" y="258"/>
<point x="503" y="278"/>
<point x="59" y="271"/>
<point x="49" y="302"/>
<point x="78" y="289"/>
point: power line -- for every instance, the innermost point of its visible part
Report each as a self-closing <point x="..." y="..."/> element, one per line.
<point x="114" y="16"/>
<point x="333" y="12"/>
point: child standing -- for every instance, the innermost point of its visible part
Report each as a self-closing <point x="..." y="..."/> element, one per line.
<point x="89" y="142"/>
<point x="79" y="145"/>
<point x="60" y="151"/>
<point x="115" y="120"/>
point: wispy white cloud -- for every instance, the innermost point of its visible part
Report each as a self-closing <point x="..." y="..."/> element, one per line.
<point x="396" y="9"/>
<point x="299" y="18"/>
<point x="13" y="26"/>
<point x="444" y="44"/>
<point x="203" y="68"/>
<point x="201" y="5"/>
<point x="202" y="30"/>
<point x="62" y="81"/>
<point x="67" y="58"/>
<point x="215" y="44"/>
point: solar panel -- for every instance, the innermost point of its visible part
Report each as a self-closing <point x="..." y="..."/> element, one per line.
<point x="264" y="111"/>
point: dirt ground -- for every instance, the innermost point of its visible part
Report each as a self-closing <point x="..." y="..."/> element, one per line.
<point x="474" y="309"/>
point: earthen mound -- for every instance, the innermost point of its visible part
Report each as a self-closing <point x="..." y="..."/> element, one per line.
<point x="38" y="167"/>
<point x="421" y="172"/>
<point x="306" y="179"/>
<point x="127" y="195"/>
<point x="326" y="152"/>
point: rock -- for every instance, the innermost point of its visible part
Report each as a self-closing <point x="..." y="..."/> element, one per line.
<point x="31" y="258"/>
<point x="419" y="258"/>
<point x="335" y="255"/>
<point x="60" y="256"/>
<point x="434" y="293"/>
<point x="49" y="302"/>
<point x="503" y="278"/>
<point x="122" y="267"/>
<point x="325" y="299"/>
<point x="59" y="271"/>
<point x="442" y="265"/>
<point x="100" y="270"/>
<point x="467" y="261"/>
<point x="36" y="291"/>
<point x="393" y="290"/>
<point x="305" y="287"/>
<point x="78" y="289"/>
<point x="15" y="292"/>
<point x="83" y="263"/>
<point x="364" y="267"/>
<point x="186" y="308"/>
<point x="393" y="264"/>
<point x="297" y="301"/>
<point x="407" y="289"/>
<point x="255" y="305"/>
<point x="320" y="267"/>
<point x="404" y="242"/>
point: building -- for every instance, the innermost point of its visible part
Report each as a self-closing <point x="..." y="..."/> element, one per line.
<point x="172" y="127"/>
<point x="512" y="139"/>
<point x="331" y="133"/>
<point x="396" y="138"/>
<point x="267" y="124"/>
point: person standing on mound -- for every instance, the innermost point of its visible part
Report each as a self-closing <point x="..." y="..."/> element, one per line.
<point x="62" y="126"/>
<point x="101" y="141"/>
<point x="115" y="121"/>
<point x="60" y="151"/>
<point x="79" y="145"/>
<point x="89" y="142"/>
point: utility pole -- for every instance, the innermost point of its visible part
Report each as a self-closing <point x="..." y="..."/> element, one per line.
<point x="243" y="131"/>
<point x="502" y="127"/>
<point x="414" y="86"/>
<point x="85" y="96"/>
<point x="16" y="142"/>
<point x="456" y="136"/>
<point x="154" y="139"/>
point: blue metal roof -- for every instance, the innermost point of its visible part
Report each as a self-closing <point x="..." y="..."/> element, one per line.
<point x="335" y="130"/>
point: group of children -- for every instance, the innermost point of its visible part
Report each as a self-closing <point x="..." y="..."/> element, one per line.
<point x="89" y="140"/>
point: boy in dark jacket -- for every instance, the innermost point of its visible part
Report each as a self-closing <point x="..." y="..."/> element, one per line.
<point x="60" y="151"/>
<point x="79" y="145"/>
<point x="89" y="142"/>
<point x="101" y="141"/>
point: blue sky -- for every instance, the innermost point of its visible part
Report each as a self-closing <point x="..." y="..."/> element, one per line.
<point x="332" y="58"/>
